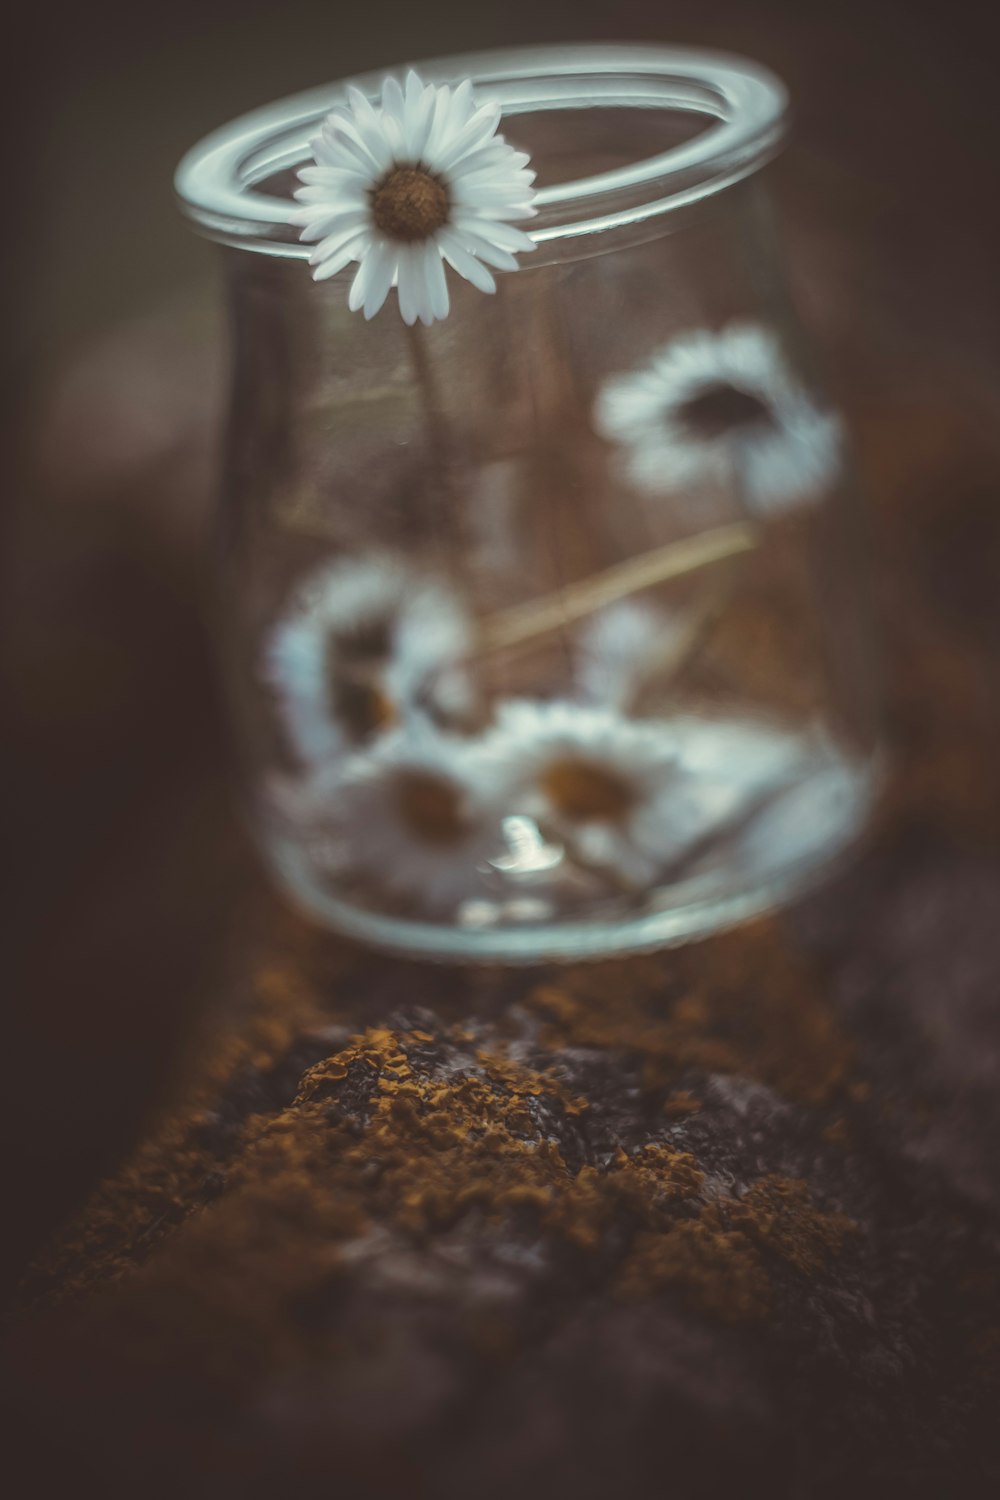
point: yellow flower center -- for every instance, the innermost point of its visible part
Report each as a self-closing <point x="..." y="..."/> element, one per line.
<point x="720" y="409"/>
<point x="431" y="808"/>
<point x="583" y="790"/>
<point x="410" y="204"/>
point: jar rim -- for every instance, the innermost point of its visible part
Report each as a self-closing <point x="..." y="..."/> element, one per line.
<point x="220" y="181"/>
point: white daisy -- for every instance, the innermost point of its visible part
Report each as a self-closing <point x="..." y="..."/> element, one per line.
<point x="599" y="782"/>
<point x="617" y="650"/>
<point x="366" y="642"/>
<point x="419" y="817"/>
<point x="724" y="407"/>
<point x="405" y="185"/>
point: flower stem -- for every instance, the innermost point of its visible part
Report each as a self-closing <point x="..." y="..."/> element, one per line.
<point x="430" y="397"/>
<point x="510" y="627"/>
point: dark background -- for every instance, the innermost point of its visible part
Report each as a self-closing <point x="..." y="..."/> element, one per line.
<point x="126" y="871"/>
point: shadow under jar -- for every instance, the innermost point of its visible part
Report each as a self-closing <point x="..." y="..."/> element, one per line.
<point x="542" y="624"/>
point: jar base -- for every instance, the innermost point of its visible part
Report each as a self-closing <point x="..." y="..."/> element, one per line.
<point x="791" y="850"/>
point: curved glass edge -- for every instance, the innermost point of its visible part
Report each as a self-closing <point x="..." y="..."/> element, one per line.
<point x="217" y="182"/>
<point x="582" y="942"/>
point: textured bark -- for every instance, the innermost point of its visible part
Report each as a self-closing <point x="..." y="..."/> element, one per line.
<point x="720" y="1214"/>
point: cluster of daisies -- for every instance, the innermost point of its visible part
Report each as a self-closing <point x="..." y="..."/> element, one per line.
<point x="411" y="788"/>
<point x="421" y="179"/>
<point x="414" y="794"/>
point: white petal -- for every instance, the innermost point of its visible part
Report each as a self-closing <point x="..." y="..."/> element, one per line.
<point x="462" y="102"/>
<point x="407" y="273"/>
<point x="421" y="285"/>
<point x="348" y="252"/>
<point x="332" y="242"/>
<point x="321" y="203"/>
<point x="334" y="224"/>
<point x="371" y="130"/>
<point x="505" y="236"/>
<point x="482" y="247"/>
<point x="464" y="262"/>
<point x="514" y="184"/>
<point x="342" y="178"/>
<point x="392" y="99"/>
<point x="313" y="193"/>
<point x="496" y="154"/>
<point x="449" y="151"/>
<point x="437" y="286"/>
<point x="437" y="133"/>
<point x="346" y="226"/>
<point x="376" y="274"/>
<point x="419" y="117"/>
<point x="348" y="136"/>
<point x="496" y="197"/>
<point x="329" y="154"/>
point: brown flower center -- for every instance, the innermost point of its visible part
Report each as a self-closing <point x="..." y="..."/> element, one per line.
<point x="362" y="707"/>
<point x="583" y="790"/>
<point x="365" y="640"/>
<point x="410" y="204"/>
<point x="720" y="409"/>
<point x="430" y="807"/>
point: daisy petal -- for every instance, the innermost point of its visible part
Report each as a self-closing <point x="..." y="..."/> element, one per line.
<point x="419" y="119"/>
<point x="462" y="102"/>
<point x="353" y="239"/>
<point x="370" y="286"/>
<point x="464" y="262"/>
<point x="337" y="262"/>
<point x="504" y="236"/>
<point x="434" y="277"/>
<point x="329" y="155"/>
<point x="469" y="138"/>
<point x="334" y="224"/>
<point x="342" y="178"/>
<point x="343" y="227"/>
<point x="484" y="248"/>
<point x="437" y="133"/>
<point x="393" y="101"/>
<point x="407" y="277"/>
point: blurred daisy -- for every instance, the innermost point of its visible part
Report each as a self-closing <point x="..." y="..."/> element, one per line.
<point x="721" y="407"/>
<point x="595" y="780"/>
<point x="418" y="817"/>
<point x="731" y="766"/>
<point x="367" y="642"/>
<point x="617" y="650"/>
<point x="405" y="185"/>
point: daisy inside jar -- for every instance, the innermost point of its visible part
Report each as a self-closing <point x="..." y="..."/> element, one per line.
<point x="724" y="408"/>
<point x="431" y="807"/>
<point x="416" y="820"/>
<point x="721" y="409"/>
<point x="581" y="790"/>
<point x="365" y="644"/>
<point x="603" y="785"/>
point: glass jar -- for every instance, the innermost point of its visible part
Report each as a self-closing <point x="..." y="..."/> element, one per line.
<point x="542" y="624"/>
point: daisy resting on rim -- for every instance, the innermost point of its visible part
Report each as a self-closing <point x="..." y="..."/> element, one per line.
<point x="401" y="188"/>
<point x="724" y="407"/>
